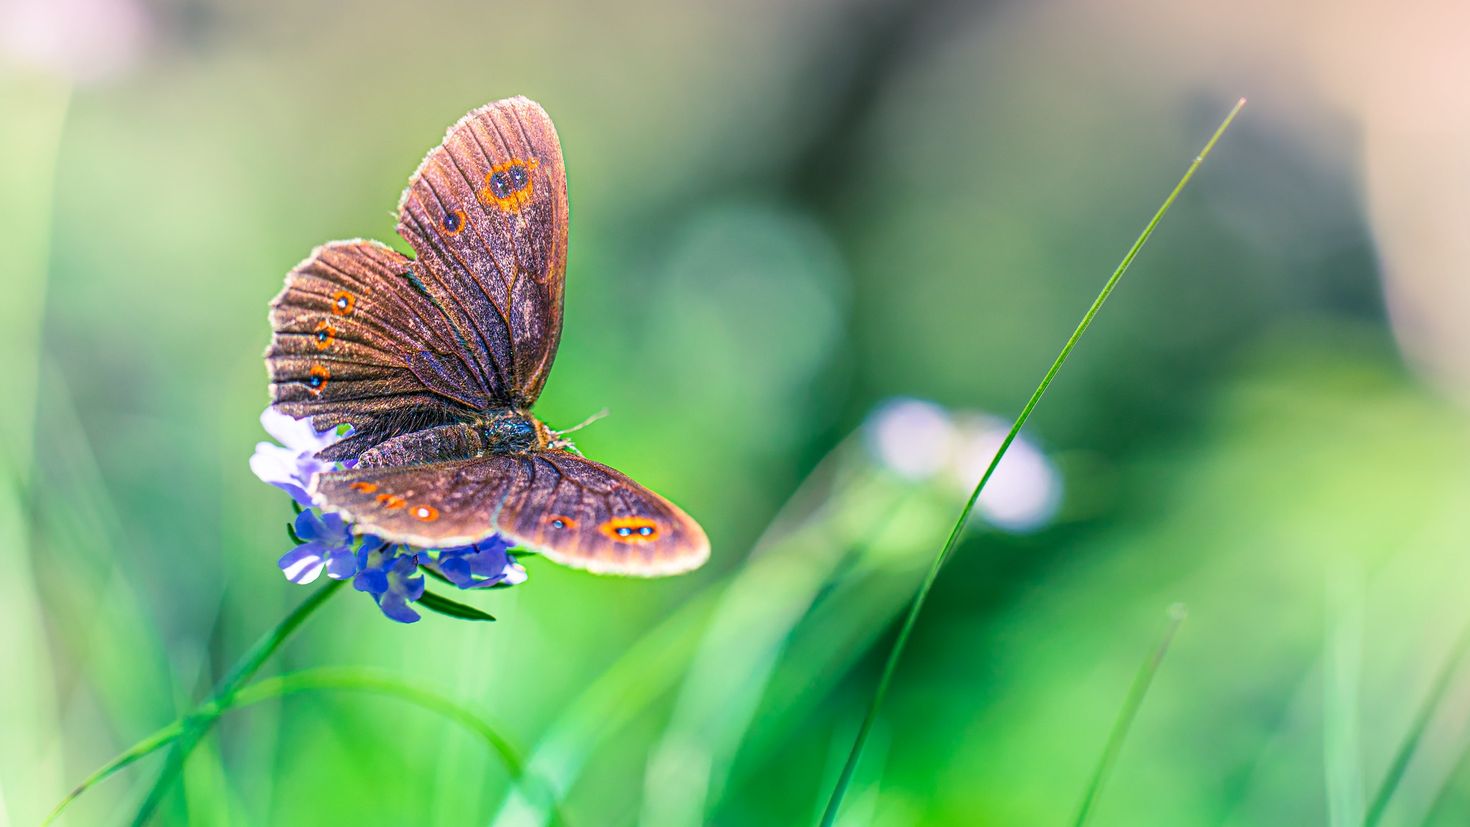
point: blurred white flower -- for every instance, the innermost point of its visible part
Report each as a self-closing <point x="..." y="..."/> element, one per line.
<point x="82" y="40"/>
<point x="1026" y="489"/>
<point x="921" y="441"/>
<point x="911" y="437"/>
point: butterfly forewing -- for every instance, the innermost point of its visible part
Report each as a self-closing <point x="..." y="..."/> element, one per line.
<point x="486" y="212"/>
<point x="351" y="337"/>
<point x="575" y="511"/>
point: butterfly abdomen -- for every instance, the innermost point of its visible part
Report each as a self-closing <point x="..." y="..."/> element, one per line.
<point x="496" y="432"/>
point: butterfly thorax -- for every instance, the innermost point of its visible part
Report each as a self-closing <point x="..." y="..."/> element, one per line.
<point x="496" y="431"/>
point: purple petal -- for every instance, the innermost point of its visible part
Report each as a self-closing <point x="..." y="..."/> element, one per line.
<point x="341" y="563"/>
<point x="476" y="566"/>
<point x="515" y="574"/>
<point x="396" y="609"/>
<point x="457" y="571"/>
<point x="296" y="434"/>
<point x="302" y="564"/>
<point x="286" y="469"/>
<point x="336" y="531"/>
<point x="308" y="526"/>
<point x="372" y="581"/>
<point x="414" y="588"/>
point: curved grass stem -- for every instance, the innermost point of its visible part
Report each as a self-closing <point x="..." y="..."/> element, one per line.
<point x="829" y="817"/>
<point x="329" y="678"/>
<point x="194" y="726"/>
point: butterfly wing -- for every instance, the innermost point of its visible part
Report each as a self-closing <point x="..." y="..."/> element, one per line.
<point x="364" y="336"/>
<point x="486" y="212"/>
<point x="574" y="511"/>
<point x="355" y="341"/>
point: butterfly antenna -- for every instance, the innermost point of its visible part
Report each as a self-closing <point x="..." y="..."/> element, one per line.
<point x="584" y="423"/>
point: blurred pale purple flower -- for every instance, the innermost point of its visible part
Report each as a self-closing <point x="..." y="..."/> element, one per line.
<point x="390" y="574"/>
<point x="81" y="40"/>
<point x="291" y="465"/>
<point x="922" y="441"/>
<point x="327" y="544"/>
<point x="1026" y="489"/>
<point x="913" y="438"/>
<point x="486" y="563"/>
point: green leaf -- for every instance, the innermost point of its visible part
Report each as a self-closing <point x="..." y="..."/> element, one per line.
<point x="445" y="606"/>
<point x="291" y="532"/>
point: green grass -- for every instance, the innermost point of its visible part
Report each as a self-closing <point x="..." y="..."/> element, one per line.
<point x="890" y="666"/>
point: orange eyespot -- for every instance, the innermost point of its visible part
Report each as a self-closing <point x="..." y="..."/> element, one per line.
<point x="342" y="303"/>
<point x="391" y="501"/>
<point x="630" y="530"/>
<point x="365" y="487"/>
<point x="316" y="379"/>
<point x="561" y="522"/>
<point x="509" y="185"/>
<point x="324" y="335"/>
<point x="426" y="513"/>
<point x="453" y="222"/>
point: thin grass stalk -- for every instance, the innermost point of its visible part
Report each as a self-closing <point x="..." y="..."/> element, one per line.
<point x="1437" y="691"/>
<point x="829" y="817"/>
<point x="330" y="678"/>
<point x="1126" y="715"/>
<point x="196" y="724"/>
<point x="1342" y="667"/>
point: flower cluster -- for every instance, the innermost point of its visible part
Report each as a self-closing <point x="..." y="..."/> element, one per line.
<point x="390" y="572"/>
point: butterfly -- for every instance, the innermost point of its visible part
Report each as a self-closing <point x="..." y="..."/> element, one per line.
<point x="436" y="360"/>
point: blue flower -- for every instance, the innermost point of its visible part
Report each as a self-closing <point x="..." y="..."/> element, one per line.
<point x="291" y="468"/>
<point x="390" y="574"/>
<point x="481" y="564"/>
<point x="327" y="544"/>
<point x="387" y="571"/>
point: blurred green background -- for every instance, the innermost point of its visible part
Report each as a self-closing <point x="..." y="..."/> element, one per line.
<point x="782" y="215"/>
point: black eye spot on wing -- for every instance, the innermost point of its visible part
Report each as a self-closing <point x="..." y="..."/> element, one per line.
<point x="453" y="221"/>
<point x="508" y="185"/>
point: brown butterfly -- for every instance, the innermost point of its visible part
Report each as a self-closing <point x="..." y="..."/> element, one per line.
<point x="435" y="362"/>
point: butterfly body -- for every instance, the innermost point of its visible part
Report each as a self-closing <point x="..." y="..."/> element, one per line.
<point x="506" y="431"/>
<point x="435" y="362"/>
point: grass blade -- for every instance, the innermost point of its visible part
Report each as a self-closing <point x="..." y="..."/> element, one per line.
<point x="329" y="678"/>
<point x="1342" y="662"/>
<point x="195" y="725"/>
<point x="1141" y="682"/>
<point x="895" y="654"/>
<point x="1417" y="728"/>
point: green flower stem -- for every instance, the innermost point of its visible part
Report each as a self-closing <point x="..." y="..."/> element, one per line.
<point x="330" y="678"/>
<point x="194" y="726"/>
<point x="829" y="817"/>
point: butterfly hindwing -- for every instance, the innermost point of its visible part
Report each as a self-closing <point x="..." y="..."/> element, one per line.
<point x="574" y="511"/>
<point x="486" y="212"/>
